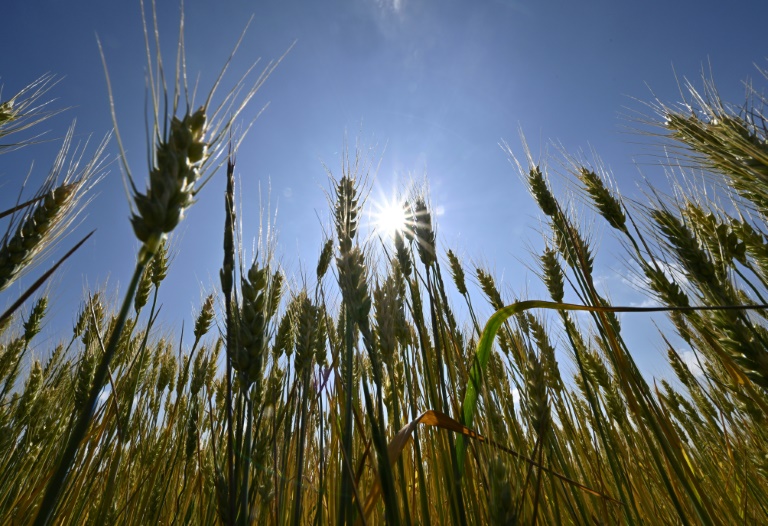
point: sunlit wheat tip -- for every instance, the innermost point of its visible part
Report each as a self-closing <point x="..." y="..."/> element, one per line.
<point x="718" y="236"/>
<point x="489" y="288"/>
<point x="274" y="385"/>
<point x="212" y="366"/>
<point x="248" y="356"/>
<point x="160" y="264"/>
<point x="595" y="369"/>
<point x="681" y="368"/>
<point x="84" y="378"/>
<point x="615" y="405"/>
<point x="275" y="293"/>
<point x="82" y="318"/>
<point x="423" y="231"/>
<point x="541" y="192"/>
<point x="347" y="210"/>
<point x="30" y="392"/>
<point x="403" y="256"/>
<point x="31" y="235"/>
<point x="608" y="206"/>
<point x="546" y="353"/>
<point x="458" y="273"/>
<point x="199" y="369"/>
<point x="537" y="396"/>
<point x="325" y="259"/>
<point x="33" y="323"/>
<point x="168" y="368"/>
<point x="669" y="291"/>
<point x="306" y="337"/>
<point x="181" y="380"/>
<point x="553" y="274"/>
<point x="697" y="263"/>
<point x="192" y="434"/>
<point x="143" y="290"/>
<point x="205" y="318"/>
<point x="284" y="337"/>
<point x="54" y="360"/>
<point x="321" y="337"/>
<point x="9" y="357"/>
<point x="95" y="318"/>
<point x="386" y="304"/>
<point x="353" y="284"/>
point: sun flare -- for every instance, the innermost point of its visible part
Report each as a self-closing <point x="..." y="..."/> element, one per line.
<point x="389" y="217"/>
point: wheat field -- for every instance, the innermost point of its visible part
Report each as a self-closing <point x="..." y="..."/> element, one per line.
<point x="355" y="394"/>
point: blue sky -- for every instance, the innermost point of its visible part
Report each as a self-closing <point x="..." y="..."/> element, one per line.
<point x="430" y="87"/>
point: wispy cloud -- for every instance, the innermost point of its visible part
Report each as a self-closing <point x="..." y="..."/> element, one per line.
<point x="646" y="303"/>
<point x="690" y="359"/>
<point x="394" y="6"/>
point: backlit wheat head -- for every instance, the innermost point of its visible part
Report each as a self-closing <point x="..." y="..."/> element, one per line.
<point x="55" y="206"/>
<point x="186" y="145"/>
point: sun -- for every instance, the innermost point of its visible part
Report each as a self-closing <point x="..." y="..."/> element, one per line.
<point x="389" y="217"/>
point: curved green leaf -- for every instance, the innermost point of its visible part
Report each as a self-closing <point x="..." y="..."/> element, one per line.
<point x="484" y="346"/>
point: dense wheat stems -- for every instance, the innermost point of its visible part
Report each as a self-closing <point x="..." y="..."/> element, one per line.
<point x="160" y="210"/>
<point x="59" y="479"/>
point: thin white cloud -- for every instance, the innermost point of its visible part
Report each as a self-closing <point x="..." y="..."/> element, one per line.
<point x="395" y="6"/>
<point x="646" y="303"/>
<point x="689" y="357"/>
